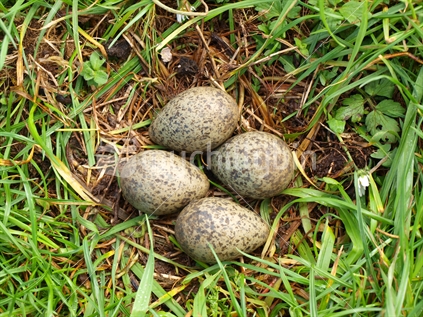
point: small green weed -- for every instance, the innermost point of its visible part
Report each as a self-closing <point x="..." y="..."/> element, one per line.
<point x="272" y="13"/>
<point x="93" y="71"/>
<point x="272" y="16"/>
<point x="381" y="113"/>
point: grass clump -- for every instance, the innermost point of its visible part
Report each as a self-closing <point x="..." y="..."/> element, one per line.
<point x="341" y="81"/>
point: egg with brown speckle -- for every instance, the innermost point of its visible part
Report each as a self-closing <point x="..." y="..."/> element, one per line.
<point x="160" y="183"/>
<point x="198" y="119"/>
<point x="254" y="164"/>
<point x="221" y="223"/>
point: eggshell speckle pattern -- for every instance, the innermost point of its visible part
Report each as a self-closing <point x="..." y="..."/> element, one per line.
<point x="160" y="183"/>
<point x="254" y="164"/>
<point x="197" y="119"/>
<point x="221" y="223"/>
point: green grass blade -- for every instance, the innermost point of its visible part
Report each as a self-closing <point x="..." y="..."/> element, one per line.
<point x="326" y="251"/>
<point x="234" y="301"/>
<point x="142" y="298"/>
<point x="199" y="307"/>
<point x="312" y="292"/>
<point x="322" y="13"/>
<point x="97" y="298"/>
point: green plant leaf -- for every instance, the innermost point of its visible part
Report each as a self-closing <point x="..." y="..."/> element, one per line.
<point x="337" y="126"/>
<point x="87" y="71"/>
<point x="391" y="108"/>
<point x="381" y="153"/>
<point x="199" y="305"/>
<point x="275" y="9"/>
<point x="288" y="63"/>
<point x="353" y="11"/>
<point x="328" y="241"/>
<point x="295" y="11"/>
<point x="354" y="109"/>
<point x="376" y="122"/>
<point x="270" y="10"/>
<point x="333" y="18"/>
<point x="96" y="61"/>
<point x="264" y="28"/>
<point x="100" y="77"/>
<point x="301" y="46"/>
<point x="382" y="87"/>
<point x="326" y="75"/>
<point x="87" y="224"/>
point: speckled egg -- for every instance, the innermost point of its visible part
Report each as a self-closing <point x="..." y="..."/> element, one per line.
<point x="254" y="164"/>
<point x="197" y="119"/>
<point x="223" y="224"/>
<point x="160" y="183"/>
